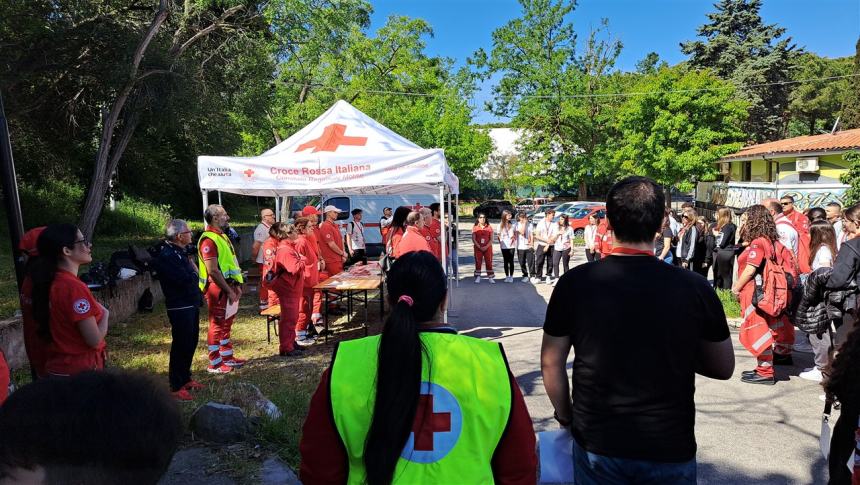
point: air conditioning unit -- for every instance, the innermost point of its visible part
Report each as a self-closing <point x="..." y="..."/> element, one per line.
<point x="807" y="164"/>
<point x="725" y="168"/>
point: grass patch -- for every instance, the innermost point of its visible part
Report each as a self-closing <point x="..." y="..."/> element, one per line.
<point x="730" y="304"/>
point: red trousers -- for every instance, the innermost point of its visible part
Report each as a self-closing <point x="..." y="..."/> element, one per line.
<point x="262" y="290"/>
<point x="332" y="267"/>
<point x="781" y="330"/>
<point x="290" y="301"/>
<point x="310" y="308"/>
<point x="486" y="257"/>
<point x="218" y="339"/>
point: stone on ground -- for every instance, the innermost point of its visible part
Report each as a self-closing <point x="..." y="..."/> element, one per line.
<point x="220" y="423"/>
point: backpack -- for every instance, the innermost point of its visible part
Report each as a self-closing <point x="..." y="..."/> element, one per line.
<point x="146" y="302"/>
<point x="772" y="292"/>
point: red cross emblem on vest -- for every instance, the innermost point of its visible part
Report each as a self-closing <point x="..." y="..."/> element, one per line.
<point x="248" y="173"/>
<point x="332" y="137"/>
<point x="427" y="423"/>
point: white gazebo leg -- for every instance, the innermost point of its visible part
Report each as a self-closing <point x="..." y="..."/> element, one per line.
<point x="205" y="205"/>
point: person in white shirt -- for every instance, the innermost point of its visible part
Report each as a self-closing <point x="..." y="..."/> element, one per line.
<point x="525" y="253"/>
<point x="561" y="247"/>
<point x="687" y="235"/>
<point x="544" y="237"/>
<point x="834" y="217"/>
<point x="590" y="232"/>
<point x="822" y="247"/>
<point x="355" y="238"/>
<point x="508" y="242"/>
<point x="784" y="228"/>
<point x="261" y="233"/>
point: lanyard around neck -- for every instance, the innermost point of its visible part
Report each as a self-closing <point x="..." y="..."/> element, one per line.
<point x="631" y="251"/>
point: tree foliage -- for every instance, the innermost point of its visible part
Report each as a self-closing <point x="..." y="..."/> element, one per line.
<point x="679" y="127"/>
<point x="851" y="104"/>
<point x="814" y="105"/>
<point x="852" y="179"/>
<point x="740" y="47"/>
<point x="551" y="92"/>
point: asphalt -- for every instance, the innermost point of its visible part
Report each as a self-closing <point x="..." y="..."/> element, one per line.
<point x="745" y="433"/>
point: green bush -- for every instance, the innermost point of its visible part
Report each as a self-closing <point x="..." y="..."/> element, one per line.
<point x="730" y="304"/>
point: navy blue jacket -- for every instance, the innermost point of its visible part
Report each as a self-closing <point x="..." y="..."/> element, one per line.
<point x="178" y="277"/>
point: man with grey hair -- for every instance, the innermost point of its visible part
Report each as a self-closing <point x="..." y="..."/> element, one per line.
<point x="178" y="277"/>
<point x="261" y="233"/>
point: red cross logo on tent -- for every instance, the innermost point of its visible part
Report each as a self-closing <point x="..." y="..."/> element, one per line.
<point x="248" y="173"/>
<point x="332" y="137"/>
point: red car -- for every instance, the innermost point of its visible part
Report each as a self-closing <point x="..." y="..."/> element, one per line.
<point x="577" y="218"/>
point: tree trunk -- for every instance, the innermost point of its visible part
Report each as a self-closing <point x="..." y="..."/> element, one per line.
<point x="583" y="190"/>
<point x="667" y="193"/>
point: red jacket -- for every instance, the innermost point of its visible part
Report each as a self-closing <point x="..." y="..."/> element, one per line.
<point x="304" y="246"/>
<point x="413" y="240"/>
<point x="290" y="268"/>
<point x="603" y="238"/>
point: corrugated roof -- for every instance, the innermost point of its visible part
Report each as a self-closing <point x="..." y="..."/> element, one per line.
<point x="841" y="140"/>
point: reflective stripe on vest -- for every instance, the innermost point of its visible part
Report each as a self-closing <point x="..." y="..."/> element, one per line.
<point x="227" y="262"/>
<point x="463" y="410"/>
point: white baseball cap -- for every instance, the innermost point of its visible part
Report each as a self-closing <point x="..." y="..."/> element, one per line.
<point x="331" y="208"/>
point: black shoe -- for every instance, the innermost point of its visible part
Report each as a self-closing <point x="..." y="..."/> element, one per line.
<point x="312" y="330"/>
<point x="748" y="373"/>
<point x="758" y="379"/>
<point x="779" y="359"/>
<point x="292" y="353"/>
<point x="299" y="347"/>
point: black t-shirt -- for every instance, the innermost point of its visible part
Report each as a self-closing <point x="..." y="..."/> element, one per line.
<point x="635" y="323"/>
<point x="660" y="239"/>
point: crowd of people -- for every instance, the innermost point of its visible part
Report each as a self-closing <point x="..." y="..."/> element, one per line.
<point x="445" y="408"/>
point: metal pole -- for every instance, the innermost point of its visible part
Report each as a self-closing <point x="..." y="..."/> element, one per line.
<point x="205" y="205"/>
<point x="219" y="198"/>
<point x="457" y="225"/>
<point x="11" y="202"/>
<point x="444" y="250"/>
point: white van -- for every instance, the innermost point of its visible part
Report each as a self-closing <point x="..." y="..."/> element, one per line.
<point x="371" y="207"/>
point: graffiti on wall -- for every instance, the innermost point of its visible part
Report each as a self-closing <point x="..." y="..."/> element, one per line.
<point x="721" y="194"/>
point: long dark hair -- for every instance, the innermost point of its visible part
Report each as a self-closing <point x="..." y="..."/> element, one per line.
<point x="50" y="245"/>
<point x="821" y="234"/>
<point x="419" y="276"/>
<point x="398" y="220"/>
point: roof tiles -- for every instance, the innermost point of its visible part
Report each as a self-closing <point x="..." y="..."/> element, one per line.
<point x="841" y="140"/>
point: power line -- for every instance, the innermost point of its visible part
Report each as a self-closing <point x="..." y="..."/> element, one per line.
<point x="598" y="95"/>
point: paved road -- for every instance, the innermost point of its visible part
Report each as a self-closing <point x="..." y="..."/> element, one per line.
<point x="746" y="433"/>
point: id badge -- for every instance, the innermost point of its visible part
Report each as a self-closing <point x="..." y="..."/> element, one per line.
<point x="483" y="241"/>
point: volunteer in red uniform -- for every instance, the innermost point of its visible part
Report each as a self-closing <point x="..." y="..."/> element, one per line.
<point x="398" y="229"/>
<point x="331" y="241"/>
<point x="429" y="233"/>
<point x="482" y="240"/>
<point x="222" y="281"/>
<point x="261" y="234"/>
<point x="412" y="240"/>
<point x="312" y="213"/>
<point x="289" y="285"/>
<point x="385" y="223"/>
<point x="758" y="330"/>
<point x="66" y="313"/>
<point x="436" y="230"/>
<point x="269" y="248"/>
<point x="36" y="347"/>
<point x="603" y="240"/>
<point x="310" y="297"/>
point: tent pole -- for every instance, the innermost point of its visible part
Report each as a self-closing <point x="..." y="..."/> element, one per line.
<point x="205" y="205"/>
<point x="444" y="251"/>
<point x="457" y="225"/>
<point x="278" y="209"/>
<point x="219" y="198"/>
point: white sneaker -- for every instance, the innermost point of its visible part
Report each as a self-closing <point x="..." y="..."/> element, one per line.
<point x="535" y="280"/>
<point x="477" y="279"/>
<point x="510" y="279"/>
<point x="813" y="375"/>
<point x="803" y="346"/>
<point x="548" y="280"/>
<point x="554" y="281"/>
<point x="525" y="279"/>
<point x="492" y="281"/>
<point x="305" y="341"/>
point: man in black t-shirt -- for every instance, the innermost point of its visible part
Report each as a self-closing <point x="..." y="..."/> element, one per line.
<point x="640" y="330"/>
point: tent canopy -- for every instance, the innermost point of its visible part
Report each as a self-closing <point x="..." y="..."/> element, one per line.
<point x="344" y="151"/>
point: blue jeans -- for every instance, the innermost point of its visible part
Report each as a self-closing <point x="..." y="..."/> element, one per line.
<point x="593" y="469"/>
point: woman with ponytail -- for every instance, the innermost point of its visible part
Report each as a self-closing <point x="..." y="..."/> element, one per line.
<point x="66" y="313"/>
<point x="418" y="403"/>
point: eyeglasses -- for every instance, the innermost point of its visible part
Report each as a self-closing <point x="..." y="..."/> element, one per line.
<point x="785" y="203"/>
<point x="186" y="232"/>
<point x="82" y="241"/>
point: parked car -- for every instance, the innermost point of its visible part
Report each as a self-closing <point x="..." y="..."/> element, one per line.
<point x="577" y="218"/>
<point x="493" y="208"/>
<point x="526" y="205"/>
<point x="541" y="209"/>
<point x="566" y="207"/>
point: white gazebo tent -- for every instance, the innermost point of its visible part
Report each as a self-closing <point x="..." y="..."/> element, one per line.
<point x="342" y="152"/>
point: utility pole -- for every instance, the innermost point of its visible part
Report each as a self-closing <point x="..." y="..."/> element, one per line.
<point x="11" y="202"/>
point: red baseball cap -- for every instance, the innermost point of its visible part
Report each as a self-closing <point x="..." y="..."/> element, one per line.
<point x="309" y="209"/>
<point x="28" y="243"/>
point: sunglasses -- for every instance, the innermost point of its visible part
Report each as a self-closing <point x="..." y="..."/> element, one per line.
<point x="785" y="203"/>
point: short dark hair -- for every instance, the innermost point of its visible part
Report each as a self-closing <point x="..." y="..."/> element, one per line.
<point x="95" y="427"/>
<point x="635" y="207"/>
<point x="790" y="198"/>
<point x="356" y="211"/>
<point x="816" y="214"/>
<point x="434" y="207"/>
<point x="834" y="204"/>
<point x="775" y="206"/>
